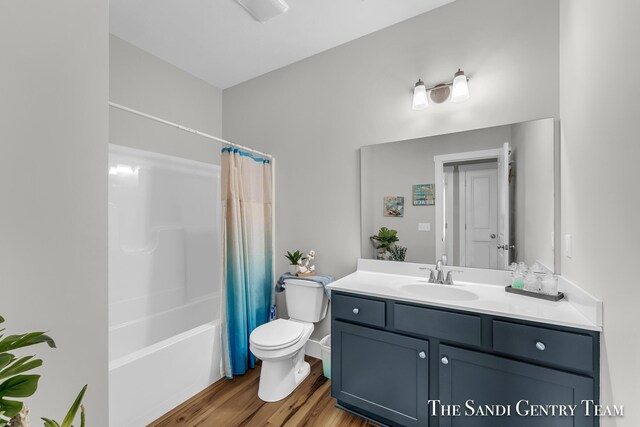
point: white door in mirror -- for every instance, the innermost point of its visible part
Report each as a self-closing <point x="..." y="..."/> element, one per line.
<point x="479" y="215"/>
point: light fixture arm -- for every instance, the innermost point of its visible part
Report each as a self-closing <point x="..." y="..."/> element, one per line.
<point x="450" y="84"/>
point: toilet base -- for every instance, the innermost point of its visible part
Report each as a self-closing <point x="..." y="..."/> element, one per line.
<point x="278" y="378"/>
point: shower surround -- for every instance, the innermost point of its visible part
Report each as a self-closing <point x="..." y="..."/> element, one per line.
<point x="164" y="283"/>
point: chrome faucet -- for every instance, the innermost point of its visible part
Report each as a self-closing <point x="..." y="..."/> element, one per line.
<point x="437" y="276"/>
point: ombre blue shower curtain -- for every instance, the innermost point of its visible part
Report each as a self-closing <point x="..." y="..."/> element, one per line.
<point x="247" y="250"/>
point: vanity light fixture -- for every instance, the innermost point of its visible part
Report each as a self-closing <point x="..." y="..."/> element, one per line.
<point x="420" y="100"/>
<point x="458" y="89"/>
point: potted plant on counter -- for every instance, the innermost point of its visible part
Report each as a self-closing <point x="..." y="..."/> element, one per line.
<point x="295" y="259"/>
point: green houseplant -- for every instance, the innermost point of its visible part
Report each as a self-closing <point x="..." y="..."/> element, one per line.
<point x="295" y="259"/>
<point x="15" y="383"/>
<point x="384" y="241"/>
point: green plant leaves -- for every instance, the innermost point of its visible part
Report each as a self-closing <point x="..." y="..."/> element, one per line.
<point x="5" y="360"/>
<point x="386" y="237"/>
<point x="74" y="409"/>
<point x="19" y="366"/>
<point x="68" y="419"/>
<point x="398" y="253"/>
<point x="10" y="408"/>
<point x="19" y="386"/>
<point x="13" y="342"/>
<point x="294" y="257"/>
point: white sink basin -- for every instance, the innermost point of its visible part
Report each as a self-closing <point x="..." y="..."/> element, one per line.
<point x="439" y="292"/>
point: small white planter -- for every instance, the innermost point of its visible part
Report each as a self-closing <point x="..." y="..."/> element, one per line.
<point x="293" y="269"/>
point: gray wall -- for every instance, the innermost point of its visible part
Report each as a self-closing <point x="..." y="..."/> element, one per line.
<point x="146" y="83"/>
<point x="315" y="114"/>
<point x="53" y="182"/>
<point x="392" y="169"/>
<point x="600" y="152"/>
<point x="532" y="154"/>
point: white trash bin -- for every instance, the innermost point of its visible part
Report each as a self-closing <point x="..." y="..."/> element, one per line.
<point x="325" y="349"/>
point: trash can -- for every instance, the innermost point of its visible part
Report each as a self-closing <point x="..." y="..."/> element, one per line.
<point x="325" y="349"/>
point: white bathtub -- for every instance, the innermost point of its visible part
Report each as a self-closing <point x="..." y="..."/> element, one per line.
<point x="130" y="337"/>
<point x="148" y="383"/>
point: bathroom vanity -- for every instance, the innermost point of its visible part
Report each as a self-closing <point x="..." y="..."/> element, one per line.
<point x="468" y="356"/>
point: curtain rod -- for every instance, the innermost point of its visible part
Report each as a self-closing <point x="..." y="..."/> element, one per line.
<point x="187" y="129"/>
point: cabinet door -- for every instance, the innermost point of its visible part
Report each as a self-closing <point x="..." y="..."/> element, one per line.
<point x="491" y="380"/>
<point x="381" y="373"/>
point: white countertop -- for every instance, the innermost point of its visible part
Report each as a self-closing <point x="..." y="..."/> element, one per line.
<point x="491" y="297"/>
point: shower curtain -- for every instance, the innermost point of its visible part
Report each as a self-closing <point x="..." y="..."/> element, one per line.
<point x="247" y="251"/>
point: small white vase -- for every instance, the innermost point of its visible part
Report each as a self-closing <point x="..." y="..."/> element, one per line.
<point x="293" y="269"/>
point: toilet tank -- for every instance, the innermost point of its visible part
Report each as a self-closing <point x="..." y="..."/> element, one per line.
<point x="306" y="300"/>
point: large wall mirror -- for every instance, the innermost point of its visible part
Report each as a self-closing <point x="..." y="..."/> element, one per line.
<point x="482" y="198"/>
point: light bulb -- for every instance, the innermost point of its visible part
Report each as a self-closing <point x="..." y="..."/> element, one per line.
<point x="420" y="100"/>
<point x="460" y="90"/>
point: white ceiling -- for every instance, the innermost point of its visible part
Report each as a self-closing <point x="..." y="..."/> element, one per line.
<point x="217" y="41"/>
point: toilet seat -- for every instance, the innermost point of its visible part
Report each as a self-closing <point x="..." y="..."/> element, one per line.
<point x="276" y="335"/>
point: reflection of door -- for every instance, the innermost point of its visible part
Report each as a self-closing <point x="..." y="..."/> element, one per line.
<point x="504" y="238"/>
<point x="479" y="215"/>
<point x="449" y="195"/>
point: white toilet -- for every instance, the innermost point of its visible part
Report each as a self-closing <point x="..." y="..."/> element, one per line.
<point x="280" y="344"/>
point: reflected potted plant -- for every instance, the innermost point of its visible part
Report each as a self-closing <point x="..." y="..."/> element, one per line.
<point x="295" y="260"/>
<point x="384" y="241"/>
<point x="398" y="253"/>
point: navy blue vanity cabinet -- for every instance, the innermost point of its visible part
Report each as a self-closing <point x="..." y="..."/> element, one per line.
<point x="378" y="374"/>
<point x="391" y="358"/>
<point x="478" y="381"/>
<point x="383" y="374"/>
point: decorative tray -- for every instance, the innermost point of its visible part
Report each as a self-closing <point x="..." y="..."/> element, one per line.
<point x="557" y="297"/>
<point x="309" y="274"/>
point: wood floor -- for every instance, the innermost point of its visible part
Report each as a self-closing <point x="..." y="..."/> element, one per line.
<point x="231" y="403"/>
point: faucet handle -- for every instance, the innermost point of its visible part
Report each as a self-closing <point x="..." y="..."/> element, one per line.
<point x="432" y="276"/>
<point x="449" y="279"/>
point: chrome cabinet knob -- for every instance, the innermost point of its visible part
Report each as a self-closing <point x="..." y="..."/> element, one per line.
<point x="445" y="360"/>
<point x="540" y="346"/>
<point x="422" y="355"/>
<point x="356" y="310"/>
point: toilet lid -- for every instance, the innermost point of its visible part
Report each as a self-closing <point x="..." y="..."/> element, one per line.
<point x="277" y="334"/>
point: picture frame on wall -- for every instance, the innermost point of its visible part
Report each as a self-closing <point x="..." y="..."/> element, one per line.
<point x="393" y="206"/>
<point x="424" y="195"/>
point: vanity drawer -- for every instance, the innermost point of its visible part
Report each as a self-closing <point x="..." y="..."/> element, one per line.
<point x="560" y="348"/>
<point x="360" y="310"/>
<point x="458" y="327"/>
